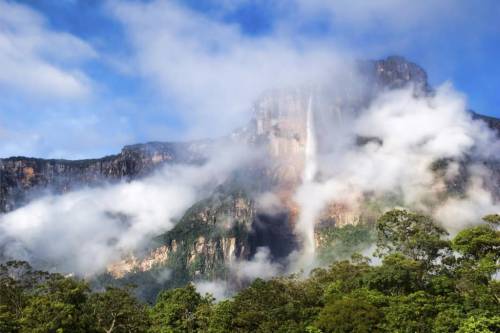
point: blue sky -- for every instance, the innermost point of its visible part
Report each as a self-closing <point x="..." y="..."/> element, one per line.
<point x="83" y="78"/>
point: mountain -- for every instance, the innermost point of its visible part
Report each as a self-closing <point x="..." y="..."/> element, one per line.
<point x="278" y="116"/>
<point x="229" y="225"/>
<point x="24" y="178"/>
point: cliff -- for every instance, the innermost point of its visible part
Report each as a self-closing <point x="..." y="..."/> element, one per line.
<point x="279" y="121"/>
<point x="23" y="178"/>
<point x="229" y="226"/>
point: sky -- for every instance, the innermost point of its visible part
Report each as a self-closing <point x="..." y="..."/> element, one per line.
<point x="83" y="78"/>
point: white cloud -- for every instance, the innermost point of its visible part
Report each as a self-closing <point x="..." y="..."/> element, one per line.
<point x="260" y="266"/>
<point x="84" y="230"/>
<point x="459" y="213"/>
<point x="209" y="68"/>
<point x="414" y="133"/>
<point x="218" y="289"/>
<point x="38" y="60"/>
<point x="270" y="203"/>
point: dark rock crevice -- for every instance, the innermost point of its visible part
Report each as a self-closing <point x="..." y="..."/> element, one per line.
<point x="275" y="232"/>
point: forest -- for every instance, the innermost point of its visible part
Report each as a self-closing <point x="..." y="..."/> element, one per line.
<point x="420" y="279"/>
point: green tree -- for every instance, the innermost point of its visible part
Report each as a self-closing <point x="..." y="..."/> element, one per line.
<point x="221" y="320"/>
<point x="398" y="275"/>
<point x="449" y="319"/>
<point x="479" y="249"/>
<point x="116" y="311"/>
<point x="492" y="219"/>
<point x="480" y="324"/>
<point x="44" y="314"/>
<point x="176" y="311"/>
<point x="56" y="306"/>
<point x="346" y="275"/>
<point x="17" y="281"/>
<point x="278" y="305"/>
<point x="478" y="242"/>
<point x="349" y="314"/>
<point x="8" y="321"/>
<point x="412" y="313"/>
<point x="412" y="234"/>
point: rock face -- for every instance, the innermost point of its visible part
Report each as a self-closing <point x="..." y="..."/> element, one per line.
<point x="203" y="240"/>
<point x="280" y="118"/>
<point x="493" y="123"/>
<point x="212" y="235"/>
<point x="228" y="226"/>
<point x="396" y="72"/>
<point x="23" y="178"/>
<point x="132" y="264"/>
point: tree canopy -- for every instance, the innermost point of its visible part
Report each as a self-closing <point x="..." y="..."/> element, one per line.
<point x="426" y="282"/>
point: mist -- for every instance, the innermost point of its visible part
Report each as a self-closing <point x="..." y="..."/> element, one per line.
<point x="407" y="133"/>
<point x="205" y="73"/>
<point x="85" y="230"/>
<point x="218" y="69"/>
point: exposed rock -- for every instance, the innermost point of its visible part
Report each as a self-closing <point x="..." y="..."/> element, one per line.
<point x="23" y="178"/>
<point x="339" y="215"/>
<point x="396" y="72"/>
<point x="131" y="264"/>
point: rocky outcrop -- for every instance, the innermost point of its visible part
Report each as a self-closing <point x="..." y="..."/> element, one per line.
<point x="396" y="72"/>
<point x="211" y="234"/>
<point x="23" y="178"/>
<point x="132" y="264"/>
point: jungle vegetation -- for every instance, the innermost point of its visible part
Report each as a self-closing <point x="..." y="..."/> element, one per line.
<point x="426" y="281"/>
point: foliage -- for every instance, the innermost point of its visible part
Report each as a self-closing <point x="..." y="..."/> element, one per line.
<point x="180" y="310"/>
<point x="480" y="324"/>
<point x="116" y="310"/>
<point x="341" y="243"/>
<point x="478" y="242"/>
<point x="420" y="286"/>
<point x="412" y="234"/>
<point x="352" y="313"/>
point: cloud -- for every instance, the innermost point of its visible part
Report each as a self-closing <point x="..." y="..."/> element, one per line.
<point x="242" y="271"/>
<point x="459" y="213"/>
<point x="269" y="203"/>
<point x="418" y="21"/>
<point x="84" y="230"/>
<point x="205" y="65"/>
<point x="209" y="68"/>
<point x="37" y="60"/>
<point x="260" y="266"/>
<point x="162" y="275"/>
<point x="412" y="133"/>
<point x="218" y="289"/>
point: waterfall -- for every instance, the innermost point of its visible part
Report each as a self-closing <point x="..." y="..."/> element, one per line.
<point x="305" y="224"/>
<point x="310" y="164"/>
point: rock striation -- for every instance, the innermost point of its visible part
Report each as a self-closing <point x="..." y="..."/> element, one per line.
<point x="24" y="178"/>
